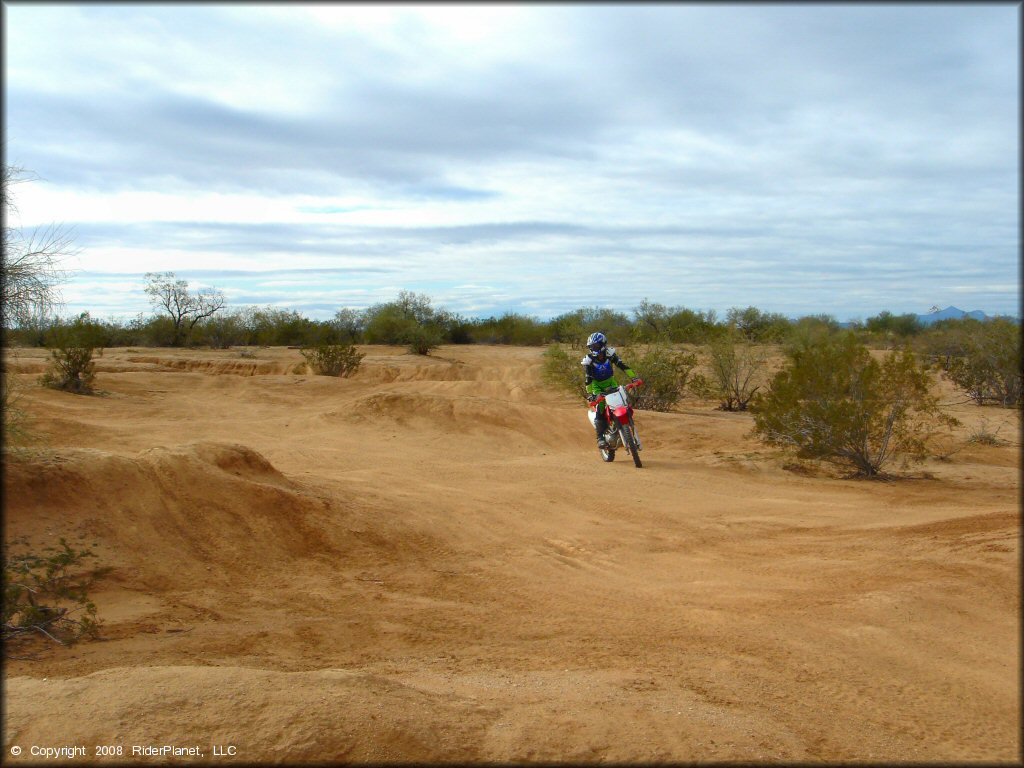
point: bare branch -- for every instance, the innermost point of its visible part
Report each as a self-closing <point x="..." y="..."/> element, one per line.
<point x="30" y="269"/>
<point x="186" y="309"/>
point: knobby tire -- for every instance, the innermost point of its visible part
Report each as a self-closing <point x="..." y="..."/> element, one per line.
<point x="630" y="441"/>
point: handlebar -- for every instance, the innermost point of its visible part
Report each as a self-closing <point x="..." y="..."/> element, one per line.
<point x="631" y="385"/>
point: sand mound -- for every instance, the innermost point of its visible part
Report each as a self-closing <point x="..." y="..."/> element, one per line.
<point x="443" y="412"/>
<point x="385" y="366"/>
<point x="170" y="516"/>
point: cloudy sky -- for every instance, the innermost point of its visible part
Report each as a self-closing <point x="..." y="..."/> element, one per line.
<point x="844" y="159"/>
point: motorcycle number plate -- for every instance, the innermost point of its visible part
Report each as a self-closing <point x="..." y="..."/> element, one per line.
<point x="615" y="400"/>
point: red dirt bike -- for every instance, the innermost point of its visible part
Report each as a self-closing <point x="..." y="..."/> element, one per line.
<point x="621" y="429"/>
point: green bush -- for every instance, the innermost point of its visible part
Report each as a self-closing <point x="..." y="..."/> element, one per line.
<point x="835" y="402"/>
<point x="567" y="328"/>
<point x="17" y="434"/>
<point x="72" y="346"/>
<point x="222" y="331"/>
<point x="410" y="321"/>
<point x="333" y="359"/>
<point x="42" y="594"/>
<point x="758" y="326"/>
<point x="886" y="325"/>
<point x="810" y="330"/>
<point x="666" y="374"/>
<point x="421" y="339"/>
<point x="657" y="323"/>
<point x="738" y="369"/>
<point x="562" y="369"/>
<point x="613" y="324"/>
<point x="510" y="328"/>
<point x="983" y="359"/>
<point x="350" y="324"/>
<point x="574" y="327"/>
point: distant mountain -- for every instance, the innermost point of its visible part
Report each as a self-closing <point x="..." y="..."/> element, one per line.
<point x="950" y="313"/>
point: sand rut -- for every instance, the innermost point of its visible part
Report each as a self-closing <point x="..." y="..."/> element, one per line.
<point x="442" y="412"/>
<point x="231" y="366"/>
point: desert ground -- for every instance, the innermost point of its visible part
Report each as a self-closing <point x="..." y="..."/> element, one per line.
<point x="429" y="562"/>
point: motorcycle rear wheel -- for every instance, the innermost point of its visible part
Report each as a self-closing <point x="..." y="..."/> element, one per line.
<point x="608" y="454"/>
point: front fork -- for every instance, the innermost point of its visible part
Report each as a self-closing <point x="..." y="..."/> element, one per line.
<point x="613" y="435"/>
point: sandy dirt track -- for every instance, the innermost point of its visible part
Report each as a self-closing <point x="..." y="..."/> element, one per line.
<point x="429" y="562"/>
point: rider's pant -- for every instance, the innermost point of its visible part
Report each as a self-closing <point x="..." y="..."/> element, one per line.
<point x="601" y="422"/>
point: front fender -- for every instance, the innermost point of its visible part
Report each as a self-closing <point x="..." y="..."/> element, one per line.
<point x="621" y="414"/>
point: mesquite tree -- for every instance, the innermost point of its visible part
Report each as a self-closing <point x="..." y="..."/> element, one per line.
<point x="185" y="308"/>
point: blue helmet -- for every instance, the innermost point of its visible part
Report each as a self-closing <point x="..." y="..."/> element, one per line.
<point x="597" y="342"/>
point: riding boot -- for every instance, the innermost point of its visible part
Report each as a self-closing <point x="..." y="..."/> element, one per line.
<point x="601" y="426"/>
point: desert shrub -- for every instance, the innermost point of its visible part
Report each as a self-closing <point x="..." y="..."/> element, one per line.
<point x="510" y="328"/>
<point x="333" y="359"/>
<point x="692" y="327"/>
<point x="421" y="339"/>
<point x="835" y="402"/>
<point x="737" y="371"/>
<point x="810" y="330"/>
<point x="350" y="324"/>
<point x="886" y="325"/>
<point x="612" y="323"/>
<point x="154" y="331"/>
<point x="17" y="433"/>
<point x="943" y="340"/>
<point x="223" y="330"/>
<point x="567" y="328"/>
<point x="756" y="325"/>
<point x="984" y="360"/>
<point x="29" y="334"/>
<point x="574" y="327"/>
<point x="388" y="322"/>
<point x="658" y="323"/>
<point x="666" y="373"/>
<point x="118" y="333"/>
<point x="111" y="332"/>
<point x="459" y="330"/>
<point x="983" y="434"/>
<point x="650" y="322"/>
<point x="44" y="592"/>
<point x="72" y="346"/>
<point x="409" y="321"/>
<point x="280" y="327"/>
<point x="561" y="368"/>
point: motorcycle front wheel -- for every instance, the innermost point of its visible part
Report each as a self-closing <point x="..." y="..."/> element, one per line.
<point x="630" y="442"/>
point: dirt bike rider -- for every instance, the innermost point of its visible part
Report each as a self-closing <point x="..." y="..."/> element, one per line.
<point x="599" y="378"/>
